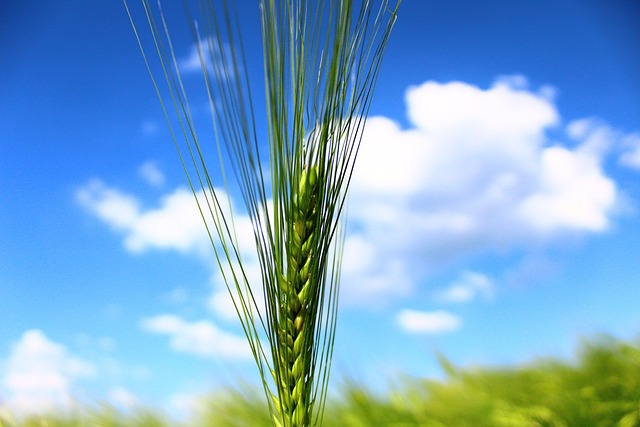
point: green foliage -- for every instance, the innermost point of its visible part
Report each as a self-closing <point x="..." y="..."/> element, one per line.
<point x="602" y="389"/>
<point x="105" y="416"/>
<point x="234" y="409"/>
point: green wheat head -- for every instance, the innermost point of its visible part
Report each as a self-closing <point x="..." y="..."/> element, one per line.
<point x="321" y="62"/>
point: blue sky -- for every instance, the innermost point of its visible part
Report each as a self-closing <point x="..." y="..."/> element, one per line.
<point x="493" y="216"/>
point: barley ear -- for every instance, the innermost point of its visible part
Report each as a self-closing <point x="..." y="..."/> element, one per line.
<point x="296" y="310"/>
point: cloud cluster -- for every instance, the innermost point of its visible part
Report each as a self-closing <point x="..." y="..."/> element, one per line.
<point x="475" y="172"/>
<point x="420" y="322"/>
<point x="465" y="289"/>
<point x="204" y="55"/>
<point x="38" y="375"/>
<point x="42" y="376"/>
<point x="122" y="398"/>
<point x="469" y="286"/>
<point x="201" y="338"/>
<point x="175" y="224"/>
<point x="631" y="155"/>
<point x="151" y="173"/>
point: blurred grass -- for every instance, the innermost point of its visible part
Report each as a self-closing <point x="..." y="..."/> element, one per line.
<point x="106" y="416"/>
<point x="600" y="389"/>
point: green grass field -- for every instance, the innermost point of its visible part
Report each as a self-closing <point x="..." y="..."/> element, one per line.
<point x="601" y="387"/>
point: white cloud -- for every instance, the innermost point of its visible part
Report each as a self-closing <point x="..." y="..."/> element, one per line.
<point x="428" y="322"/>
<point x="475" y="172"/>
<point x="39" y="374"/>
<point x="573" y="194"/>
<point x="595" y="136"/>
<point x="186" y="405"/>
<point x="123" y="398"/>
<point x="631" y="155"/>
<point x="193" y="61"/>
<point x="151" y="173"/>
<point x="468" y="114"/>
<point x="175" y="224"/>
<point x="211" y="52"/>
<point x="370" y="271"/>
<point x="467" y="287"/>
<point x="117" y="209"/>
<point x="201" y="338"/>
<point x="220" y="300"/>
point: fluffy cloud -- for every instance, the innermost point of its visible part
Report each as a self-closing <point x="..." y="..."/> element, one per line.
<point x="39" y="373"/>
<point x="631" y="155"/>
<point x="222" y="303"/>
<point x="174" y="224"/>
<point x="201" y="338"/>
<point x="122" y="398"/>
<point x="151" y="173"/>
<point x="428" y="322"/>
<point x="192" y="62"/>
<point x="467" y="287"/>
<point x="209" y="51"/>
<point x="475" y="172"/>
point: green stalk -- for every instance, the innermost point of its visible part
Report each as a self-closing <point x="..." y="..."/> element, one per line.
<point x="321" y="62"/>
